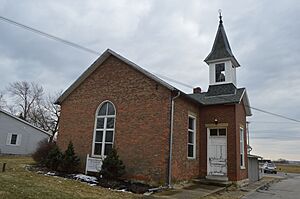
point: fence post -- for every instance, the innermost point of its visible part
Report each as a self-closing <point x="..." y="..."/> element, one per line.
<point x="3" y="167"/>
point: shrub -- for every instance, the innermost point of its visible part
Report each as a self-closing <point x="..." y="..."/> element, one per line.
<point x="42" y="151"/>
<point x="70" y="161"/>
<point x="54" y="158"/>
<point x="112" y="167"/>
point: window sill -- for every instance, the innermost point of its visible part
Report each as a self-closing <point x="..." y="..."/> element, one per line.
<point x="190" y="158"/>
<point x="243" y="167"/>
<point x="12" y="145"/>
<point x="98" y="156"/>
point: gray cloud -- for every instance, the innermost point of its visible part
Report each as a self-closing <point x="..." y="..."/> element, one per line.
<point x="171" y="38"/>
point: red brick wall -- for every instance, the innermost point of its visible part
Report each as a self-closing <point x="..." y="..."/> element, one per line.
<point x="182" y="167"/>
<point x="241" y="122"/>
<point x="142" y="118"/>
<point x="234" y="116"/>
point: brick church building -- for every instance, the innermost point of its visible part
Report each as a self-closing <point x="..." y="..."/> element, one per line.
<point x="162" y="134"/>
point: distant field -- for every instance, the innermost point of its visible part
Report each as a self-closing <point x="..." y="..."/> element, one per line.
<point x="17" y="182"/>
<point x="287" y="168"/>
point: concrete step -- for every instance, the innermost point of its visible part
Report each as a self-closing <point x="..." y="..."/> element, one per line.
<point x="215" y="182"/>
<point x="217" y="178"/>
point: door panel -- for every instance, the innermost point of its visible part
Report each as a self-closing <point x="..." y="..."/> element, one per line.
<point x="217" y="155"/>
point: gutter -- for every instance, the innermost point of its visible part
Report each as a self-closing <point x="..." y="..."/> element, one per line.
<point x="171" y="140"/>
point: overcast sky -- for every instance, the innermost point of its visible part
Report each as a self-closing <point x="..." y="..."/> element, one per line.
<point x="170" y="38"/>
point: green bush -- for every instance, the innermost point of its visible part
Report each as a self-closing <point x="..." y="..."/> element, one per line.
<point x="70" y="161"/>
<point x="41" y="153"/>
<point x="54" y="158"/>
<point x="112" y="167"/>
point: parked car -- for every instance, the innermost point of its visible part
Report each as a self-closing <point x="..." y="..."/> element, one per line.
<point x="269" y="167"/>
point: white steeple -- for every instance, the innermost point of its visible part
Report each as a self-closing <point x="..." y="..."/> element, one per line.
<point x="221" y="61"/>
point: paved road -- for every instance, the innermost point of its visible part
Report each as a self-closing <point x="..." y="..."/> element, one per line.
<point x="288" y="188"/>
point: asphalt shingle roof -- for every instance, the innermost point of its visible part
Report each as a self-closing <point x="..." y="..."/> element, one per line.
<point x="221" y="48"/>
<point x="219" y="94"/>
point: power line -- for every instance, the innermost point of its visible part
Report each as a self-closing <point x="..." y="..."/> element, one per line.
<point x="74" y="45"/>
<point x="173" y="80"/>
<point x="274" y="114"/>
<point x="251" y="107"/>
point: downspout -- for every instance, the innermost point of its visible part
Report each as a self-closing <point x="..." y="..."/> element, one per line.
<point x="171" y="140"/>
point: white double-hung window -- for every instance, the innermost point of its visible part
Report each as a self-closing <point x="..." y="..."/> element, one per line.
<point x="13" y="139"/>
<point x="104" y="129"/>
<point x="191" y="138"/>
<point x="242" y="148"/>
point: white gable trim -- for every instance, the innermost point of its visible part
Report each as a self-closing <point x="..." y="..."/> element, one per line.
<point x="245" y="100"/>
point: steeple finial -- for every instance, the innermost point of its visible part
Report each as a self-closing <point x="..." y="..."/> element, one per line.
<point x="221" y="48"/>
<point x="220" y="16"/>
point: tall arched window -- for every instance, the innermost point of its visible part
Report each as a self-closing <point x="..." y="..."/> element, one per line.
<point x="104" y="129"/>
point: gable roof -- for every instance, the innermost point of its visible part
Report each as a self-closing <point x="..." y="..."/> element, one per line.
<point x="217" y="94"/>
<point x="221" y="49"/>
<point x="98" y="62"/>
<point x="23" y="121"/>
<point x="223" y="94"/>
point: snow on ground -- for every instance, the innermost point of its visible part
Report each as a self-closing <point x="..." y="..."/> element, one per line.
<point x="86" y="178"/>
<point x="50" y="174"/>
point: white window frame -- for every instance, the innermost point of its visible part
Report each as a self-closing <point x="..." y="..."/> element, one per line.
<point x="242" y="148"/>
<point x="194" y="137"/>
<point x="104" y="129"/>
<point x="9" y="137"/>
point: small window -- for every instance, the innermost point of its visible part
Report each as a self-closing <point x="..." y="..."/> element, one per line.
<point x="213" y="132"/>
<point x="13" y="139"/>
<point x="222" y="132"/>
<point x="220" y="72"/>
<point x="191" y="150"/>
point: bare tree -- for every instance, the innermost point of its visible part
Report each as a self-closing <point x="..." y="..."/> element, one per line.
<point x="2" y="100"/>
<point x="26" y="96"/>
<point x="30" y="104"/>
<point x="45" y="114"/>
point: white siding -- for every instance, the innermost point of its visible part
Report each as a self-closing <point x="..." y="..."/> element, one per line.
<point x="27" y="139"/>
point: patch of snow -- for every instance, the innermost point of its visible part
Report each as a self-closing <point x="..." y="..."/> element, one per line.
<point x="50" y="173"/>
<point x="86" y="178"/>
<point x="121" y="190"/>
<point x="148" y="193"/>
<point x="93" y="185"/>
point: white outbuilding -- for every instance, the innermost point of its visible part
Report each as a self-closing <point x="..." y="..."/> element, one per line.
<point x="17" y="136"/>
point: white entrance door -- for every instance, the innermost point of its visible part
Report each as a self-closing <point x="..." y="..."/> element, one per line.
<point x="217" y="152"/>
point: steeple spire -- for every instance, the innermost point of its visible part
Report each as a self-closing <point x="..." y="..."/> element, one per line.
<point x="221" y="49"/>
<point x="220" y="16"/>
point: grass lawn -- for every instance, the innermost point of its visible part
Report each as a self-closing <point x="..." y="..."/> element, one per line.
<point x="287" y="168"/>
<point x="17" y="182"/>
